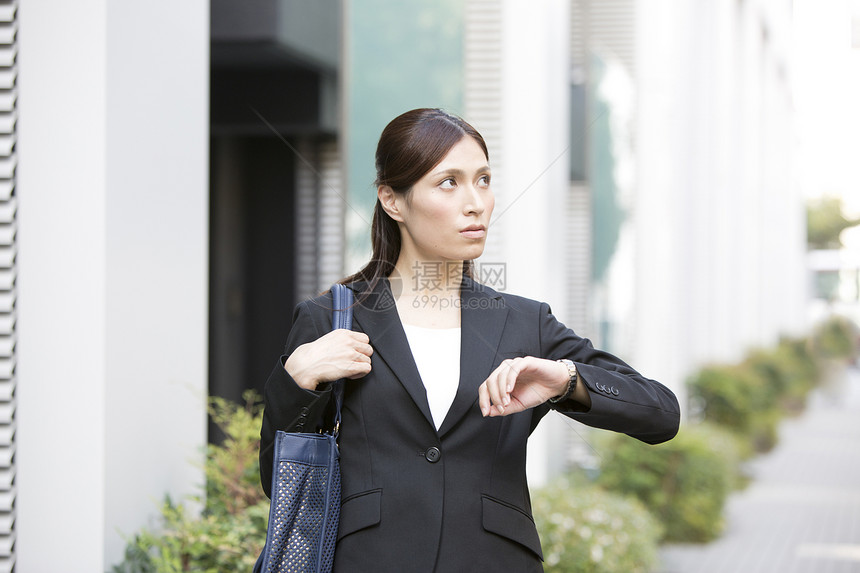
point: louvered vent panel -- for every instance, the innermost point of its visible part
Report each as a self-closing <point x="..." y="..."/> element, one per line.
<point x="307" y="209"/>
<point x="612" y="28"/>
<point x="578" y="238"/>
<point x="320" y="209"/>
<point x="333" y="209"/>
<point x="482" y="99"/>
<point x="8" y="204"/>
<point x="578" y="450"/>
<point x="578" y="11"/>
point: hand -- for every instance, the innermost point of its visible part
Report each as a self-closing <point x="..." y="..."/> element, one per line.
<point x="521" y="383"/>
<point x="339" y="354"/>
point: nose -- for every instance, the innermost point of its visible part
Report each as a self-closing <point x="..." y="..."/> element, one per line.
<point x="475" y="202"/>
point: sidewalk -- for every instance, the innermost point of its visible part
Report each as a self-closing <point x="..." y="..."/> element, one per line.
<point x="801" y="513"/>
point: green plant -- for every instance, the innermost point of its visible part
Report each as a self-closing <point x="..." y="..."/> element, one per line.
<point x="836" y="339"/>
<point x="683" y="482"/>
<point x="585" y="529"/>
<point x="232" y="468"/>
<point x="825" y="222"/>
<point x="806" y="362"/>
<point x="740" y="398"/>
<point x="790" y="371"/>
<point x="230" y="532"/>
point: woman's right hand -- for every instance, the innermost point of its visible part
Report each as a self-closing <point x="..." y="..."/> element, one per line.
<point x="339" y="354"/>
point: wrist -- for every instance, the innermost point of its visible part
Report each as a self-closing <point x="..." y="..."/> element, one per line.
<point x="302" y="378"/>
<point x="569" y="385"/>
<point x="564" y="378"/>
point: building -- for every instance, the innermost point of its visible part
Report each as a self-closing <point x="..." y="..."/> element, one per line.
<point x="177" y="175"/>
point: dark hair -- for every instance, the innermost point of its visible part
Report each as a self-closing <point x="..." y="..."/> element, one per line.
<point x="410" y="146"/>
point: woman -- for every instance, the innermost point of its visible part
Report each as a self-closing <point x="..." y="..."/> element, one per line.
<point x="447" y="377"/>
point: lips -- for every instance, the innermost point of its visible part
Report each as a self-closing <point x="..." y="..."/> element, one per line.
<point x="474" y="232"/>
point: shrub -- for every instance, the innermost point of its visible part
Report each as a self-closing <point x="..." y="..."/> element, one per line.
<point x="585" y="529"/>
<point x="790" y="371"/>
<point x="230" y="532"/>
<point x="805" y="361"/>
<point x="739" y="398"/>
<point x="836" y="339"/>
<point x="684" y="482"/>
<point x="750" y="398"/>
<point x="232" y="468"/>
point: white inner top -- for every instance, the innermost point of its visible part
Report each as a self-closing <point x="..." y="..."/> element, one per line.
<point x="437" y="355"/>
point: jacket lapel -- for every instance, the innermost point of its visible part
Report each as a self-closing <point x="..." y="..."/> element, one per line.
<point x="377" y="316"/>
<point x="482" y="318"/>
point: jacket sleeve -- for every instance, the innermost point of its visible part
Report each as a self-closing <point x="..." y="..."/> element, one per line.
<point x="622" y="399"/>
<point x="289" y="407"/>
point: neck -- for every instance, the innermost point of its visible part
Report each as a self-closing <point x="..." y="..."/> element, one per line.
<point x="417" y="278"/>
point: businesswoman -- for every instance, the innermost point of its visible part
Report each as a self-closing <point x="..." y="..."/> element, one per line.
<point x="447" y="377"/>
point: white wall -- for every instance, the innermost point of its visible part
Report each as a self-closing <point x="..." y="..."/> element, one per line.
<point x="530" y="208"/>
<point x="62" y="185"/>
<point x="721" y="228"/>
<point x="113" y="234"/>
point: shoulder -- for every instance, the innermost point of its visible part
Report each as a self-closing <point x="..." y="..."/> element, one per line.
<point x="522" y="303"/>
<point x="474" y="289"/>
<point x="319" y="303"/>
<point x="324" y="300"/>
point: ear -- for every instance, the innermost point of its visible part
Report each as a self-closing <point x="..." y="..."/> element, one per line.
<point x="390" y="202"/>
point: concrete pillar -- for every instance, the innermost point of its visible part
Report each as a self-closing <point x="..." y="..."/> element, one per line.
<point x="113" y="249"/>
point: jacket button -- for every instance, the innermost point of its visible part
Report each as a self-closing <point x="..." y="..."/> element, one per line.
<point x="432" y="455"/>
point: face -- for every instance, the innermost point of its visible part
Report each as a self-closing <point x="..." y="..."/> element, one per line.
<point x="446" y="214"/>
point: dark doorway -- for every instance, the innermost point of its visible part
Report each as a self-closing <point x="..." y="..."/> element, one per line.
<point x="252" y="262"/>
<point x="273" y="88"/>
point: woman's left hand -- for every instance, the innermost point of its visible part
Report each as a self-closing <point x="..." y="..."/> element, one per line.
<point x="521" y="383"/>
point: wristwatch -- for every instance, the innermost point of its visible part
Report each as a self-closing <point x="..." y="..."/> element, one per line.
<point x="571" y="383"/>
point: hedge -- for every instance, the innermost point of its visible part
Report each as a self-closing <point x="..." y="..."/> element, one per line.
<point x="231" y="531"/>
<point x="683" y="482"/>
<point x="585" y="529"/>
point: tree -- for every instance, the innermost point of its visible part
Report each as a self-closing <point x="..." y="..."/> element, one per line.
<point x="825" y="221"/>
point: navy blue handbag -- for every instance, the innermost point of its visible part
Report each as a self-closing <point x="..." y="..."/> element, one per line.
<point x="305" y="506"/>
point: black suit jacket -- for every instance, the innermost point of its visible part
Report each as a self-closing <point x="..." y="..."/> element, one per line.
<point x="456" y="499"/>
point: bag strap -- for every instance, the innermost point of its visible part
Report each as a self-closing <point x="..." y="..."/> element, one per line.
<point x="341" y="317"/>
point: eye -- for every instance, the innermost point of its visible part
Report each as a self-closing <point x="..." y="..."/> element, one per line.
<point x="448" y="183"/>
<point x="484" y="181"/>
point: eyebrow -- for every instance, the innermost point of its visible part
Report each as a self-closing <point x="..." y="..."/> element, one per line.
<point x="460" y="173"/>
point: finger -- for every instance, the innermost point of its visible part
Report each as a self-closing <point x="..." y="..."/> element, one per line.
<point x="359" y="364"/>
<point x="360" y="354"/>
<point x="359" y="370"/>
<point x="513" y="374"/>
<point x="492" y="384"/>
<point x="509" y="379"/>
<point x="365" y="349"/>
<point x="349" y="336"/>
<point x="484" y="399"/>
<point x="360" y="359"/>
<point x="354" y="340"/>
<point x="359" y="336"/>
<point x="359" y="341"/>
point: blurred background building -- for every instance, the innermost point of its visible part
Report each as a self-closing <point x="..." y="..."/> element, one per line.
<point x="178" y="175"/>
